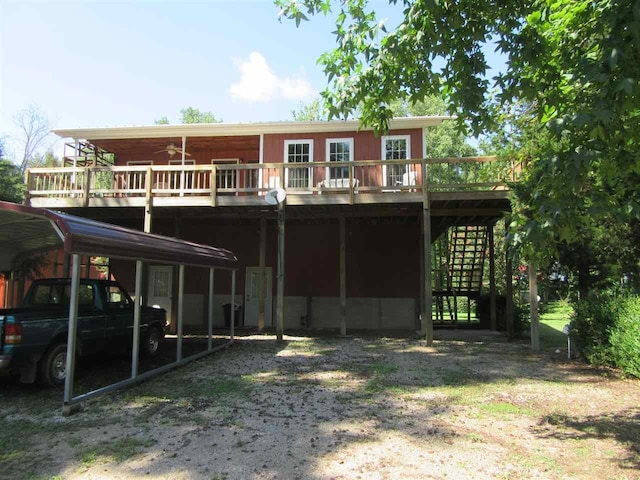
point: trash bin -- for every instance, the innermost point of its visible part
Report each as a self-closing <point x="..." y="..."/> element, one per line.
<point x="227" y="315"/>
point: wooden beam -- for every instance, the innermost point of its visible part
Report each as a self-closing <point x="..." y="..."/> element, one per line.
<point x="509" y="288"/>
<point x="263" y="255"/>
<point x="492" y="281"/>
<point x="426" y="329"/>
<point x="533" y="299"/>
<point x="280" y="279"/>
<point x="343" y="276"/>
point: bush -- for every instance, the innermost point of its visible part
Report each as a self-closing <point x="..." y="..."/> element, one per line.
<point x="625" y="337"/>
<point x="606" y="330"/>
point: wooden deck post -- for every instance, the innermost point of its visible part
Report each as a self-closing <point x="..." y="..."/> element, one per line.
<point x="86" y="187"/>
<point x="280" y="280"/>
<point x="214" y="184"/>
<point x="533" y="299"/>
<point x="492" y="281"/>
<point x="263" y="255"/>
<point x="509" y="286"/>
<point x="343" y="276"/>
<point x="426" y="329"/>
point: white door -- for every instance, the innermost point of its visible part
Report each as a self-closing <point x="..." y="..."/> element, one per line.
<point x="160" y="283"/>
<point x="252" y="297"/>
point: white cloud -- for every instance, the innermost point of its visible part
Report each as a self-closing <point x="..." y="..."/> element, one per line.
<point x="258" y="83"/>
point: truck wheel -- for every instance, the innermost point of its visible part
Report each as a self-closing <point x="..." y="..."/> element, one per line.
<point x="151" y="342"/>
<point x="53" y="366"/>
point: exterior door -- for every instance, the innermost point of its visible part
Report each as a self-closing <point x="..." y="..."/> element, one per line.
<point x="252" y="297"/>
<point x="160" y="288"/>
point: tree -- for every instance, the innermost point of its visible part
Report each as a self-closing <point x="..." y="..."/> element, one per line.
<point x="11" y="181"/>
<point x="191" y="115"/>
<point x="34" y="127"/>
<point x="311" y="112"/>
<point x="46" y="159"/>
<point x="573" y="64"/>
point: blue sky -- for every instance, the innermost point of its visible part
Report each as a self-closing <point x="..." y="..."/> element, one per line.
<point x="89" y="64"/>
<point x="113" y="63"/>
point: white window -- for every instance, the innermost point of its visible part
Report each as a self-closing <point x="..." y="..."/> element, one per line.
<point x="298" y="151"/>
<point x="338" y="150"/>
<point x="395" y="147"/>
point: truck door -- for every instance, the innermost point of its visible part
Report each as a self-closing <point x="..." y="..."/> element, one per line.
<point x="91" y="320"/>
<point x="119" y="310"/>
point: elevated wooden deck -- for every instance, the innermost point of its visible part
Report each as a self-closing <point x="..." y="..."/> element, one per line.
<point x="451" y="186"/>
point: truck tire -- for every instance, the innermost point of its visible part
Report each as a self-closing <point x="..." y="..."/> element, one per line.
<point x="151" y="342"/>
<point x="52" y="369"/>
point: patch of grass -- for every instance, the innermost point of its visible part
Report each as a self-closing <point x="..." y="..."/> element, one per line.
<point x="119" y="450"/>
<point x="552" y="321"/>
<point x="381" y="368"/>
<point x="504" y="408"/>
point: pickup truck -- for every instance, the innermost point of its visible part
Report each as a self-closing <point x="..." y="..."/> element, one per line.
<point x="33" y="338"/>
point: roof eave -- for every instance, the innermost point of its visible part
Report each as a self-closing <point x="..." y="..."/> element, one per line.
<point x="238" y="129"/>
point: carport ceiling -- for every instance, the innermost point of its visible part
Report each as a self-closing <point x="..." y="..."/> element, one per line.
<point x="27" y="230"/>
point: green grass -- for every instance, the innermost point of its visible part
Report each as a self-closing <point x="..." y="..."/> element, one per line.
<point x="118" y="450"/>
<point x="552" y="321"/>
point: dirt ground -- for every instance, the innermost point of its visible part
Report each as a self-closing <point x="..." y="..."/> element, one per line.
<point x="339" y="408"/>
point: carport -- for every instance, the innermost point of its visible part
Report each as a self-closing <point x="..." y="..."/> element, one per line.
<point x="28" y="230"/>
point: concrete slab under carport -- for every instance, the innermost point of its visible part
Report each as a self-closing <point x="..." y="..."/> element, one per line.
<point x="28" y="230"/>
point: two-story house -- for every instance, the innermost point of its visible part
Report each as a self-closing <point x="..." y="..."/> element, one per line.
<point x="362" y="212"/>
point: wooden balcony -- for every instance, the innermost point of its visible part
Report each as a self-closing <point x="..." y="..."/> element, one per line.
<point x="317" y="183"/>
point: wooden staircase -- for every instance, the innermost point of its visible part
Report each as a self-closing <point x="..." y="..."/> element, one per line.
<point x="459" y="265"/>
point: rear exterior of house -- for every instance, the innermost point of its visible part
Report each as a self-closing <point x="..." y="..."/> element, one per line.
<point x="361" y="217"/>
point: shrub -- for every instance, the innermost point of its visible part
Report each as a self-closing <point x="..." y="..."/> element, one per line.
<point x="625" y="337"/>
<point x="606" y="330"/>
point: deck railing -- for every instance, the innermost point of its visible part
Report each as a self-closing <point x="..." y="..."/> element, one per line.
<point x="353" y="178"/>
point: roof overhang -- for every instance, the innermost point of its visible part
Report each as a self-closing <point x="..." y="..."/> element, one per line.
<point x="28" y="230"/>
<point x="238" y="129"/>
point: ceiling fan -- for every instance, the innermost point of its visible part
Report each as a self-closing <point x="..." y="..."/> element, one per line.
<point x="172" y="149"/>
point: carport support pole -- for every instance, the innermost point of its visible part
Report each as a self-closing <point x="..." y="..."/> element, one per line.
<point x="509" y="286"/>
<point x="232" y="321"/>
<point x="137" y="311"/>
<point x="263" y="256"/>
<point x="210" y="324"/>
<point x="533" y="298"/>
<point x="180" y="311"/>
<point x="71" y="335"/>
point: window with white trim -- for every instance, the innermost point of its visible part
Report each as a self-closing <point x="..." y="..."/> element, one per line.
<point x="178" y="178"/>
<point x="137" y="180"/>
<point x="338" y="150"/>
<point x="298" y="151"/>
<point x="395" y="147"/>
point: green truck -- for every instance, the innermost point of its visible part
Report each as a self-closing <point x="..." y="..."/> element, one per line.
<point x="33" y="337"/>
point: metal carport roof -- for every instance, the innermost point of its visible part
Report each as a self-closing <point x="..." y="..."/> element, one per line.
<point x="25" y="230"/>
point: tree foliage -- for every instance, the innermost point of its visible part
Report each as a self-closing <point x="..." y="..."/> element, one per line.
<point x="11" y="182"/>
<point x="310" y="112"/>
<point x="570" y="84"/>
<point x="191" y="115"/>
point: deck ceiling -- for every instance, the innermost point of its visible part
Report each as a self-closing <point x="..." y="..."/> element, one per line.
<point x="27" y="230"/>
<point x="146" y="146"/>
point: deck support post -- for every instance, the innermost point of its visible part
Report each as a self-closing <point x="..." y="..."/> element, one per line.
<point x="232" y="322"/>
<point x="280" y="287"/>
<point x="180" y="311"/>
<point x="533" y="299"/>
<point x="137" y="314"/>
<point x="262" y="262"/>
<point x="343" y="276"/>
<point x="492" y="281"/>
<point x="210" y="310"/>
<point x="426" y="326"/>
<point x="71" y="335"/>
<point x="508" y="286"/>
